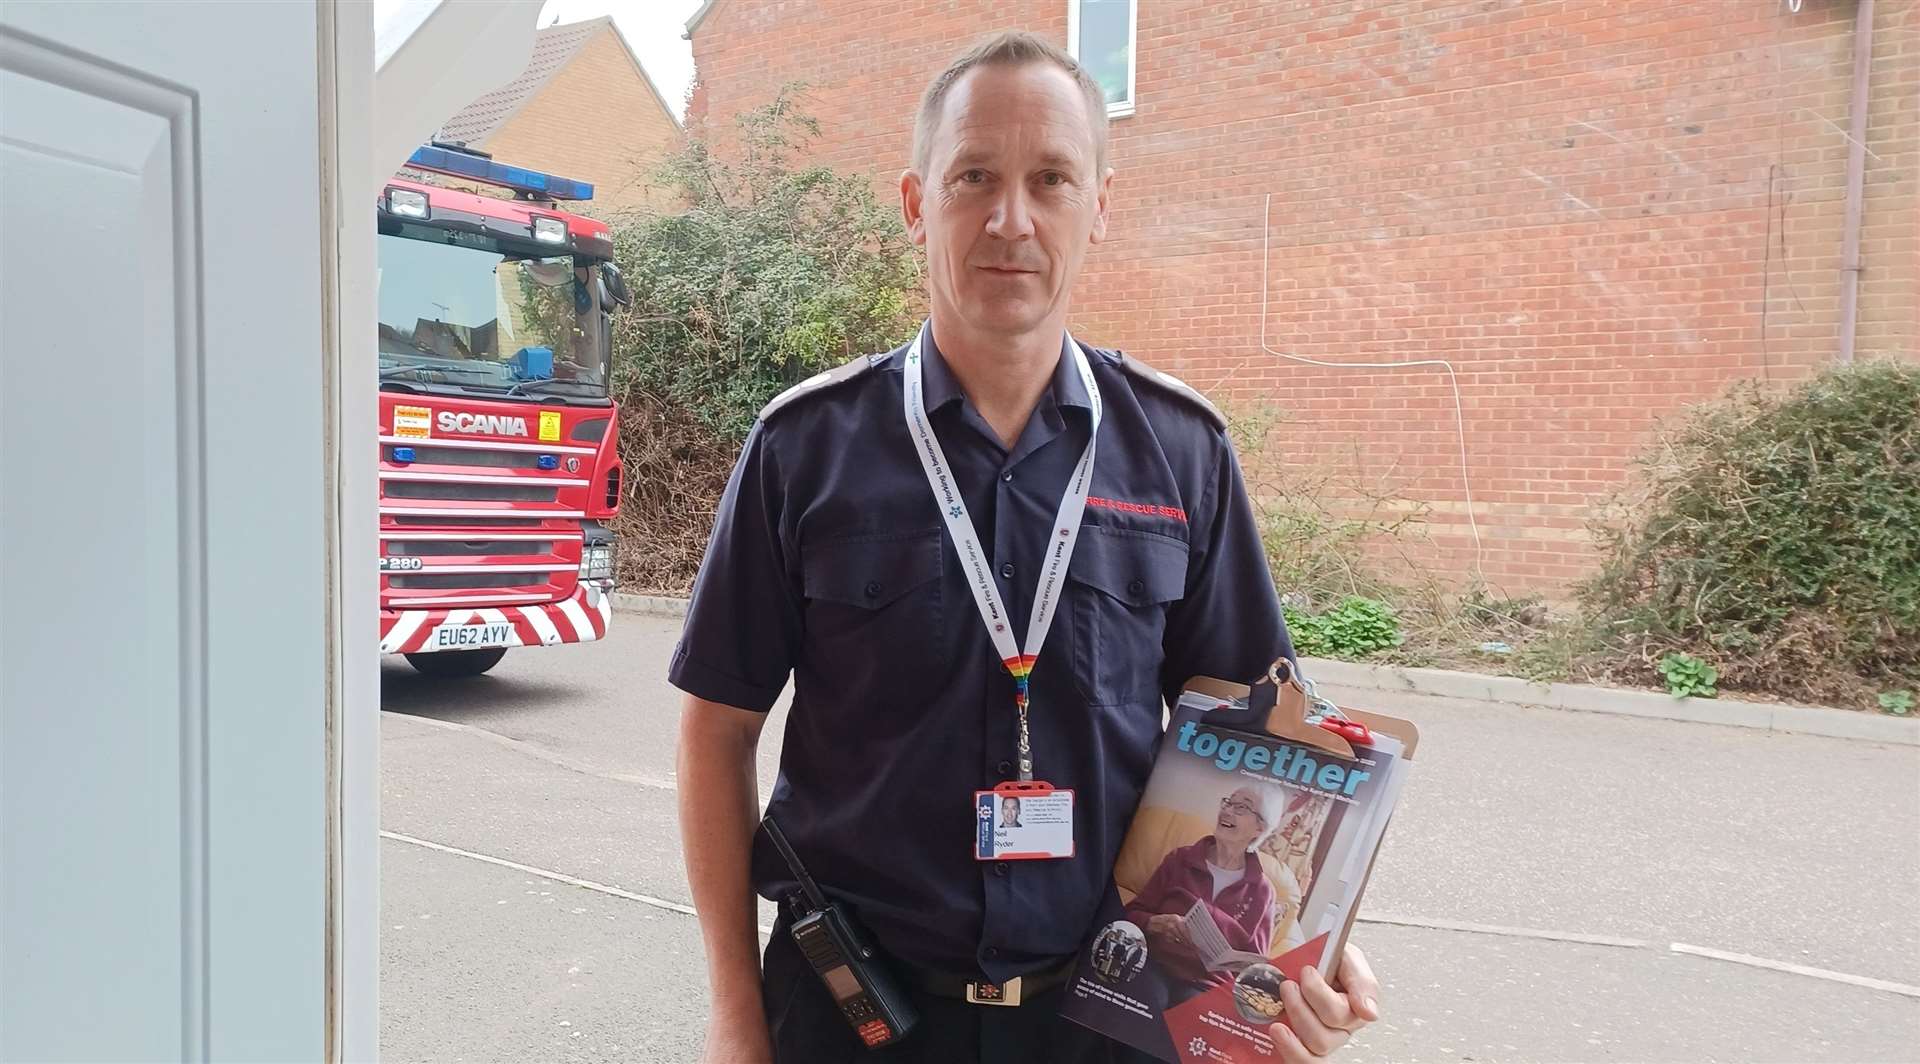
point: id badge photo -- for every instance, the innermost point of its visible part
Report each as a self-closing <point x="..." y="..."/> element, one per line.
<point x="1023" y="822"/>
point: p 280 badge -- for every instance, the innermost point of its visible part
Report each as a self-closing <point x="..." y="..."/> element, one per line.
<point x="401" y="564"/>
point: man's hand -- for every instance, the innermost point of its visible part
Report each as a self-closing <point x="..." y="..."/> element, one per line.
<point x="1320" y="1017"/>
<point x="737" y="1043"/>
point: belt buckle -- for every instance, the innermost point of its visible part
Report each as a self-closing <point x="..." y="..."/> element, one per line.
<point x="1007" y="993"/>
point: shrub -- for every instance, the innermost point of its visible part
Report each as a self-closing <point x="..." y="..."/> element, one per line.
<point x="1354" y="628"/>
<point x="1688" y="676"/>
<point x="1779" y="536"/>
<point x="770" y="273"/>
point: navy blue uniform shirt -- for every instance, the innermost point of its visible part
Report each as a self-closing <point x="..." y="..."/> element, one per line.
<point x="829" y="561"/>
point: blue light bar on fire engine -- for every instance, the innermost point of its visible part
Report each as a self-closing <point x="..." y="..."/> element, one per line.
<point x="460" y="164"/>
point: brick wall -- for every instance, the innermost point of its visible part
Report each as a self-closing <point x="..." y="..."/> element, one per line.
<point x="596" y="121"/>
<point x="1596" y="212"/>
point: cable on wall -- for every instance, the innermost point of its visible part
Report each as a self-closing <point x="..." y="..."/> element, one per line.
<point x="1453" y="379"/>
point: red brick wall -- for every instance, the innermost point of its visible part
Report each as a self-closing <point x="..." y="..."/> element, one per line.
<point x="596" y="121"/>
<point x="1597" y="211"/>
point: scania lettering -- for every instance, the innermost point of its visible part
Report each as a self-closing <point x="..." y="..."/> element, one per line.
<point x="500" y="473"/>
<point x="490" y="424"/>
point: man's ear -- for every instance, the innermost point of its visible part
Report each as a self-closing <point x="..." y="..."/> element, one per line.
<point x="1105" y="188"/>
<point x="912" y="190"/>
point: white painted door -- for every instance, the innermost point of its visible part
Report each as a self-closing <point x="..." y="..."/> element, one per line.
<point x="163" y="559"/>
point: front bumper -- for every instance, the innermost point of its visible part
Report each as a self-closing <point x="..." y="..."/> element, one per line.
<point x="582" y="618"/>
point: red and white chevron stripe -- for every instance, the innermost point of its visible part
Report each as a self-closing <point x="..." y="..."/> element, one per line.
<point x="580" y="619"/>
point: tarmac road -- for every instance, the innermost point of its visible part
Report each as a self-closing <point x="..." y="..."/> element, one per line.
<point x="1584" y="829"/>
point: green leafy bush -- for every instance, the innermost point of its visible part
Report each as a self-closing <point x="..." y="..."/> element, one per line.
<point x="1897" y="702"/>
<point x="773" y="272"/>
<point x="769" y="272"/>
<point x="1779" y="535"/>
<point x="1688" y="676"/>
<point x="1354" y="628"/>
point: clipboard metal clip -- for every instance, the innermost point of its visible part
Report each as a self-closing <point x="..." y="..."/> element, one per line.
<point x="1321" y="711"/>
<point x="1325" y="714"/>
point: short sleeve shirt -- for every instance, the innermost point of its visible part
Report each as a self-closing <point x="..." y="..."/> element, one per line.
<point x="829" y="564"/>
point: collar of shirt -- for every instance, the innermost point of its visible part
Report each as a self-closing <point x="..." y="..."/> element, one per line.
<point x="942" y="387"/>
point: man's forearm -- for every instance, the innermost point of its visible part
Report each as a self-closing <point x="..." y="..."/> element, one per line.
<point x="719" y="809"/>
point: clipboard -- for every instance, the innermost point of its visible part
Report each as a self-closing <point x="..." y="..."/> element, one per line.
<point x="1277" y="705"/>
<point x="1284" y="701"/>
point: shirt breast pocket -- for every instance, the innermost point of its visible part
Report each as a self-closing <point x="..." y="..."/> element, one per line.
<point x="873" y="608"/>
<point x="1122" y="583"/>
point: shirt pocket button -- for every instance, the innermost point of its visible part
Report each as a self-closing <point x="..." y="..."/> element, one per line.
<point x="873" y="589"/>
<point x="1136" y="586"/>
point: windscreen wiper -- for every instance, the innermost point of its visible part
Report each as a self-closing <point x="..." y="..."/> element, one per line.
<point x="524" y="387"/>
<point x="396" y="372"/>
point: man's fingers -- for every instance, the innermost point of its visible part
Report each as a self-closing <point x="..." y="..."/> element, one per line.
<point x="1328" y="1004"/>
<point x="1315" y="1035"/>
<point x="1291" y="1050"/>
<point x="1357" y="981"/>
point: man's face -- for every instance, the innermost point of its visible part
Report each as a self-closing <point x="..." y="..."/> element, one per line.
<point x="1010" y="199"/>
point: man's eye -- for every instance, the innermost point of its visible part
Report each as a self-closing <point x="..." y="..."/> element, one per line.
<point x="1053" y="177"/>
<point x="974" y="177"/>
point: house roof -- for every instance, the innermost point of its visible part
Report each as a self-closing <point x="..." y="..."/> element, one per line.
<point x="553" y="48"/>
<point x="698" y="17"/>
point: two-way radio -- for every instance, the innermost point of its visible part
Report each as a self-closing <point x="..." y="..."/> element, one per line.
<point x="859" y="983"/>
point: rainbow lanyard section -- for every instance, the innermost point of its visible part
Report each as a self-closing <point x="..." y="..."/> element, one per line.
<point x="966" y="542"/>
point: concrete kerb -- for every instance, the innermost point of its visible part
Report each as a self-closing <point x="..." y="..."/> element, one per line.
<point x="650" y="605"/>
<point x="1355" y="680"/>
<point x="1351" y="679"/>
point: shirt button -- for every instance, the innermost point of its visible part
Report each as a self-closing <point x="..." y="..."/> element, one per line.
<point x="999" y="869"/>
<point x="1004" y="768"/>
<point x="873" y="589"/>
<point x="1134" y="587"/>
<point x="1007" y="570"/>
<point x="992" y="952"/>
<point x="1007" y="476"/>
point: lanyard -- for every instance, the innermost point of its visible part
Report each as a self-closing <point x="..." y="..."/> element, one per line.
<point x="966" y="541"/>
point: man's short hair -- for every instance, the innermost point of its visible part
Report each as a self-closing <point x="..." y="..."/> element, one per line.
<point x="1014" y="48"/>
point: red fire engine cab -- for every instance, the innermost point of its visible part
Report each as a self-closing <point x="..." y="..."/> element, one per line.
<point x="499" y="468"/>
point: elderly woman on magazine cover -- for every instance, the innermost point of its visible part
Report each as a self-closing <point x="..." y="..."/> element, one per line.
<point x="1223" y="871"/>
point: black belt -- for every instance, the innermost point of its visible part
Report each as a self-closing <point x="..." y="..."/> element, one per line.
<point x="981" y="992"/>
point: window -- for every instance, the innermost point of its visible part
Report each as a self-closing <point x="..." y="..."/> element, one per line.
<point x="1100" y="35"/>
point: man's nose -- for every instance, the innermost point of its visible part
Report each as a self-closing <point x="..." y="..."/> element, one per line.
<point x="1012" y="218"/>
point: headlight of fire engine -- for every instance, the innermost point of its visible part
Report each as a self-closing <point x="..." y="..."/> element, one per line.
<point x="550" y="230"/>
<point x="403" y="203"/>
<point x="596" y="563"/>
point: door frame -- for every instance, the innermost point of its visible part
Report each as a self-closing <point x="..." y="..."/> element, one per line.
<point x="346" y="82"/>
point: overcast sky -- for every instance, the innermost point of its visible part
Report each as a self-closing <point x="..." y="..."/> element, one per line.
<point x="652" y="27"/>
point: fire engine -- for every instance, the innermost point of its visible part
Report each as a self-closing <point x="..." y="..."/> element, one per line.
<point x="499" y="465"/>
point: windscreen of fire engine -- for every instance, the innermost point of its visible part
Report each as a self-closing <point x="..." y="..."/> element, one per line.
<point x="475" y="316"/>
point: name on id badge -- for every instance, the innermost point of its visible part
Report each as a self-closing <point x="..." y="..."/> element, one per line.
<point x="1023" y="822"/>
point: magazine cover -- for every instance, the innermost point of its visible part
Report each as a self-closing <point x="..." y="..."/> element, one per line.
<point x="1241" y="867"/>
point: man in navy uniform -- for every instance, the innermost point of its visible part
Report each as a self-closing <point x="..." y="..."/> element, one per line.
<point x="967" y="593"/>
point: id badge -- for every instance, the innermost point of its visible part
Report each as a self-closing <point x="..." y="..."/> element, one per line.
<point x="1023" y="822"/>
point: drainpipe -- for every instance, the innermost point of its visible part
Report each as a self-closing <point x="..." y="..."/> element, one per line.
<point x="1856" y="178"/>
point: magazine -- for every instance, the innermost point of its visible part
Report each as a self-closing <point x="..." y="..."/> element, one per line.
<point x="1241" y="867"/>
<point x="1211" y="943"/>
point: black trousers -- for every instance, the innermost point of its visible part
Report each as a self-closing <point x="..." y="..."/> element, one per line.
<point x="807" y="1026"/>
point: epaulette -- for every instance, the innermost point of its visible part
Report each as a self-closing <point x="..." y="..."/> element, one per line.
<point x="1168" y="382"/>
<point x="820" y="382"/>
